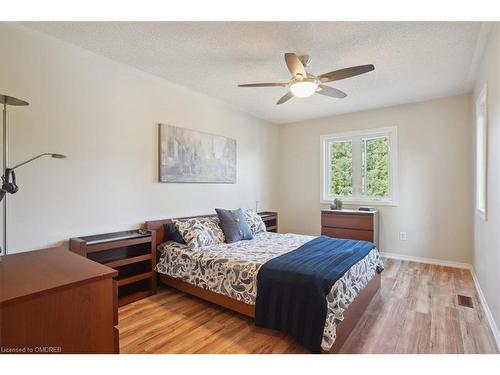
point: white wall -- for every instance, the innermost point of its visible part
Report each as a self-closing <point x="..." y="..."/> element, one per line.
<point x="487" y="233"/>
<point x="435" y="176"/>
<point x="105" y="117"/>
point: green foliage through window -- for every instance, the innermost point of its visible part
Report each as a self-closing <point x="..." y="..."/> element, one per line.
<point x="360" y="166"/>
<point x="375" y="167"/>
<point x="341" y="172"/>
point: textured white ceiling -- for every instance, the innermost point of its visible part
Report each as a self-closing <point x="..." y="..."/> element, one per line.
<point x="413" y="61"/>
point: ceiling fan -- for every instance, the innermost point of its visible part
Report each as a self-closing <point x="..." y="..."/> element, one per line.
<point x="304" y="84"/>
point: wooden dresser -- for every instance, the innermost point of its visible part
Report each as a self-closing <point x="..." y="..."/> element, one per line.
<point x="54" y="301"/>
<point x="353" y="224"/>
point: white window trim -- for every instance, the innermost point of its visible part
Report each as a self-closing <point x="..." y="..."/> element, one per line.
<point x="482" y="107"/>
<point x="392" y="131"/>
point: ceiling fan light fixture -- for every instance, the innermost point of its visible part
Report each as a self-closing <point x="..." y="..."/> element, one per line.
<point x="304" y="84"/>
<point x="304" y="89"/>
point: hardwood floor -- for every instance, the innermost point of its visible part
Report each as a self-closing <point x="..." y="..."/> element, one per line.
<point x="415" y="311"/>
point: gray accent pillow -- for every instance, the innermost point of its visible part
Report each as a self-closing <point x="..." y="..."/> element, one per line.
<point x="234" y="225"/>
<point x="172" y="233"/>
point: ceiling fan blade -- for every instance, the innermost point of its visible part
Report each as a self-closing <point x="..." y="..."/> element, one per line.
<point x="295" y="65"/>
<point x="285" y="97"/>
<point x="330" y="91"/>
<point x="262" y="85"/>
<point x="345" y="73"/>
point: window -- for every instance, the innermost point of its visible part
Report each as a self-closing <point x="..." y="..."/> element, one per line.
<point x="341" y="168"/>
<point x="360" y="167"/>
<point x="375" y="179"/>
<point x="481" y="153"/>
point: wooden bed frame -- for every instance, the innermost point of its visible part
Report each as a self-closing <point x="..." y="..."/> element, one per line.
<point x="351" y="315"/>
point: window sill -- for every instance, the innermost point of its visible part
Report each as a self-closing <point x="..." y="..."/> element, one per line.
<point x="363" y="203"/>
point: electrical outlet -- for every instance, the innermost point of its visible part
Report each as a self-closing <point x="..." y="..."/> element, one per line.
<point x="402" y="236"/>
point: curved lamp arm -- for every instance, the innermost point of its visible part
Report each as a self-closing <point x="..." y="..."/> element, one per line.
<point x="57" y="156"/>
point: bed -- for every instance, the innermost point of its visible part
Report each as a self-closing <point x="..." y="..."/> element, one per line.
<point x="226" y="274"/>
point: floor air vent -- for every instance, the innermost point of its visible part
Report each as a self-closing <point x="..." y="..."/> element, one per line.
<point x="464" y="301"/>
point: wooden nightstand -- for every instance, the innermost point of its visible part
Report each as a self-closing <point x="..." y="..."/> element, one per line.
<point x="353" y="224"/>
<point x="270" y="218"/>
<point x="131" y="253"/>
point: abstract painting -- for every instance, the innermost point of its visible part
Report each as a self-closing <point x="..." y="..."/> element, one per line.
<point x="191" y="156"/>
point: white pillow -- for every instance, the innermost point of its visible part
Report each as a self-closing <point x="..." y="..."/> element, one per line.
<point x="254" y="221"/>
<point x="200" y="232"/>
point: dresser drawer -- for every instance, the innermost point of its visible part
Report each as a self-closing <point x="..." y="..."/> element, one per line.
<point x="348" y="221"/>
<point x="365" y="235"/>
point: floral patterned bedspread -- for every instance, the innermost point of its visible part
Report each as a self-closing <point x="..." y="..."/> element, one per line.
<point x="231" y="270"/>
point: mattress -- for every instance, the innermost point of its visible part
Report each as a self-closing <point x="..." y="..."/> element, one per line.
<point x="231" y="270"/>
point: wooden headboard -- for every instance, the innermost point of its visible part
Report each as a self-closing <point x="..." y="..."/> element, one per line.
<point x="269" y="218"/>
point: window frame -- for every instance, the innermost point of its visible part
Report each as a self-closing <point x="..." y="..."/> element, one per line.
<point x="481" y="201"/>
<point x="357" y="161"/>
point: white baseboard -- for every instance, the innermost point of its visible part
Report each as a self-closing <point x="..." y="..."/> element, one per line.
<point x="487" y="311"/>
<point x="440" y="262"/>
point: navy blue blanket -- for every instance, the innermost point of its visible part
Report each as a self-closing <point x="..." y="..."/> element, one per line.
<point x="292" y="288"/>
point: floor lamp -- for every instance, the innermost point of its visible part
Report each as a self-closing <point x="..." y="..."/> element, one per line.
<point x="8" y="175"/>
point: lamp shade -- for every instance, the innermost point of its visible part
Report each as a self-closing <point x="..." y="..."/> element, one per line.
<point x="10" y="100"/>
